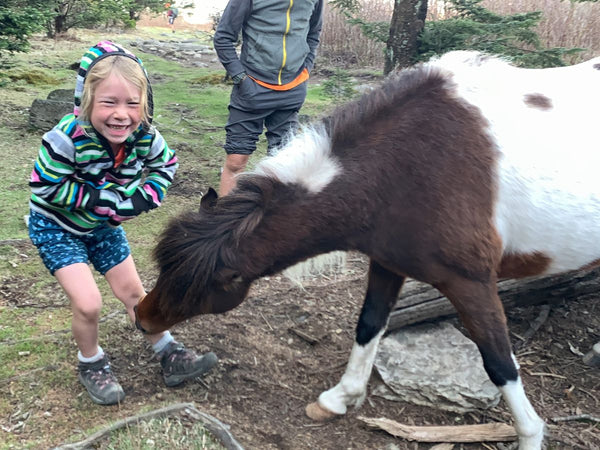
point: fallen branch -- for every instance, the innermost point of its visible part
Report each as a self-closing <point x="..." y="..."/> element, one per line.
<point x="490" y="432"/>
<point x="543" y="374"/>
<point x="217" y="428"/>
<point x="580" y="417"/>
<point x="534" y="327"/>
<point x="312" y="340"/>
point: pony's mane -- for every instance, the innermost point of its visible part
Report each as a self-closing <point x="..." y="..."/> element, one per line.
<point x="197" y="243"/>
<point x="352" y="120"/>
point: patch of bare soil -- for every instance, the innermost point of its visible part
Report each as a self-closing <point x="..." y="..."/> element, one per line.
<point x="285" y="344"/>
<point x="268" y="374"/>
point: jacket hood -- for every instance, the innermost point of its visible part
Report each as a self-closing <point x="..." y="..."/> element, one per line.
<point x="104" y="49"/>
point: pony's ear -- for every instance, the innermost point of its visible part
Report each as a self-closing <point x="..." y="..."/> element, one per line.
<point x="209" y="200"/>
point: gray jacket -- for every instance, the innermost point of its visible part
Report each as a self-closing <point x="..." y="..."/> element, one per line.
<point x="279" y="38"/>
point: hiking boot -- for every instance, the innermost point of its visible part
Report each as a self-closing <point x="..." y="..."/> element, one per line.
<point x="101" y="384"/>
<point x="180" y="364"/>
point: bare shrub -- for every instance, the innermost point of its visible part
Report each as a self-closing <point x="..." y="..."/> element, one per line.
<point x="564" y="23"/>
<point x="344" y="45"/>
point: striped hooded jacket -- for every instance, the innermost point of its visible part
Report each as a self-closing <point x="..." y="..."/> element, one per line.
<point x="279" y="38"/>
<point x="74" y="180"/>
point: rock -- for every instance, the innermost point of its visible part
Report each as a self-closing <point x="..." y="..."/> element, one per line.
<point x="186" y="52"/>
<point x="45" y="114"/>
<point x="592" y="358"/>
<point x="434" y="365"/>
<point x="62" y="95"/>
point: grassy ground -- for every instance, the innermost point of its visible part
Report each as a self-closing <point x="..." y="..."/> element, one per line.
<point x="37" y="352"/>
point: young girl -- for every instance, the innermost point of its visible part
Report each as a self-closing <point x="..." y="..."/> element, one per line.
<point x="101" y="165"/>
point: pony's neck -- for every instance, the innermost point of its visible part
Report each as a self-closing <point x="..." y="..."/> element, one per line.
<point x="295" y="226"/>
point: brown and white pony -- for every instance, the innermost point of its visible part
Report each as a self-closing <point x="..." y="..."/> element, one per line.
<point x="455" y="173"/>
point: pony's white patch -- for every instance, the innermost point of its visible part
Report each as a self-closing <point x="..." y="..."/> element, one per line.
<point x="305" y="159"/>
<point x="528" y="424"/>
<point x="352" y="388"/>
<point x="548" y="183"/>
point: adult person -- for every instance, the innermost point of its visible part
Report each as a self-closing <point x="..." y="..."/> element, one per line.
<point x="172" y="13"/>
<point x="279" y="46"/>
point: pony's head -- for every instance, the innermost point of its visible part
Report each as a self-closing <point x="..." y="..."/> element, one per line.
<point x="194" y="276"/>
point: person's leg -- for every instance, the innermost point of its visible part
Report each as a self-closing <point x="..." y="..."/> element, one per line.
<point x="66" y="257"/>
<point x="79" y="285"/>
<point x="93" y="369"/>
<point x="243" y="129"/>
<point x="234" y="165"/>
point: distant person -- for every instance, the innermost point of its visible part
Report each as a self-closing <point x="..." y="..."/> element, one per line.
<point x="279" y="47"/>
<point x="172" y="13"/>
<point x="98" y="167"/>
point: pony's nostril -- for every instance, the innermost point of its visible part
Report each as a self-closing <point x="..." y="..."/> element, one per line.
<point x="137" y="321"/>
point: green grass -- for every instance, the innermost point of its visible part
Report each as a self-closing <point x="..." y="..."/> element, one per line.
<point x="165" y="432"/>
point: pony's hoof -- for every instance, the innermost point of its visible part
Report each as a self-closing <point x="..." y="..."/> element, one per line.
<point x="318" y="413"/>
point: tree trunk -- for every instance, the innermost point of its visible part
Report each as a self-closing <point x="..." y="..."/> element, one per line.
<point x="420" y="302"/>
<point x="408" y="20"/>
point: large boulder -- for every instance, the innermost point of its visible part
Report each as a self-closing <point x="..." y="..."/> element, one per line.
<point x="434" y="365"/>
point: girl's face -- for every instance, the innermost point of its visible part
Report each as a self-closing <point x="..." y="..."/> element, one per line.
<point x="116" y="109"/>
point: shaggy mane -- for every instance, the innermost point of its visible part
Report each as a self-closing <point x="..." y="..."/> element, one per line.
<point x="195" y="244"/>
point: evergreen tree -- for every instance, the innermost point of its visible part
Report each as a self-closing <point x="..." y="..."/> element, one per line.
<point x="18" y="20"/>
<point x="476" y="28"/>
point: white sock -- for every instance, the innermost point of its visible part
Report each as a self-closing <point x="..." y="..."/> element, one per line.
<point x="163" y="342"/>
<point x="97" y="357"/>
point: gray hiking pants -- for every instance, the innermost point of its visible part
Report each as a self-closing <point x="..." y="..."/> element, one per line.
<point x="253" y="107"/>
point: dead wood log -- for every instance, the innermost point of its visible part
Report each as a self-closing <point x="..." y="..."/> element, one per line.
<point x="419" y="302"/>
<point x="488" y="432"/>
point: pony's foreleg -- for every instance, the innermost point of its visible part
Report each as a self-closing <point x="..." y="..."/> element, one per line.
<point x="482" y="313"/>
<point x="381" y="296"/>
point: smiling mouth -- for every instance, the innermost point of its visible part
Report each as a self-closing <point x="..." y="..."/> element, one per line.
<point x="118" y="127"/>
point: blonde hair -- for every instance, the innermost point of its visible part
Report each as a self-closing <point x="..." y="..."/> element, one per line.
<point x="123" y="66"/>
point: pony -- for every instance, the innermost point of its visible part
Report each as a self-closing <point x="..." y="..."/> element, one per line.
<point x="455" y="172"/>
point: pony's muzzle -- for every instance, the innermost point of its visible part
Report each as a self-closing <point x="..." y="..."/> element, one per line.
<point x="138" y="325"/>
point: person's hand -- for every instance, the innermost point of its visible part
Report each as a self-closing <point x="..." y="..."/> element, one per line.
<point x="237" y="79"/>
<point x="139" y="202"/>
<point x="91" y="196"/>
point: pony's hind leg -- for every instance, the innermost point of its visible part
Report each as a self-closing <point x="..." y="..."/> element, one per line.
<point x="482" y="313"/>
<point x="382" y="291"/>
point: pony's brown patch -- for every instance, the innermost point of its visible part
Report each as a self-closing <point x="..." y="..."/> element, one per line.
<point x="519" y="265"/>
<point x="591" y="265"/>
<point x="538" y="101"/>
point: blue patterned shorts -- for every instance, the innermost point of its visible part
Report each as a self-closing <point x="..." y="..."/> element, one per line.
<point x="105" y="247"/>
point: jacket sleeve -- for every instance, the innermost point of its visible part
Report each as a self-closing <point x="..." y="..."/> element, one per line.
<point x="314" y="35"/>
<point x="51" y="179"/>
<point x="161" y="165"/>
<point x="227" y="33"/>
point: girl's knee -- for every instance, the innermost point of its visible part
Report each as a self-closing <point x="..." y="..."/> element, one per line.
<point x="89" y="309"/>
